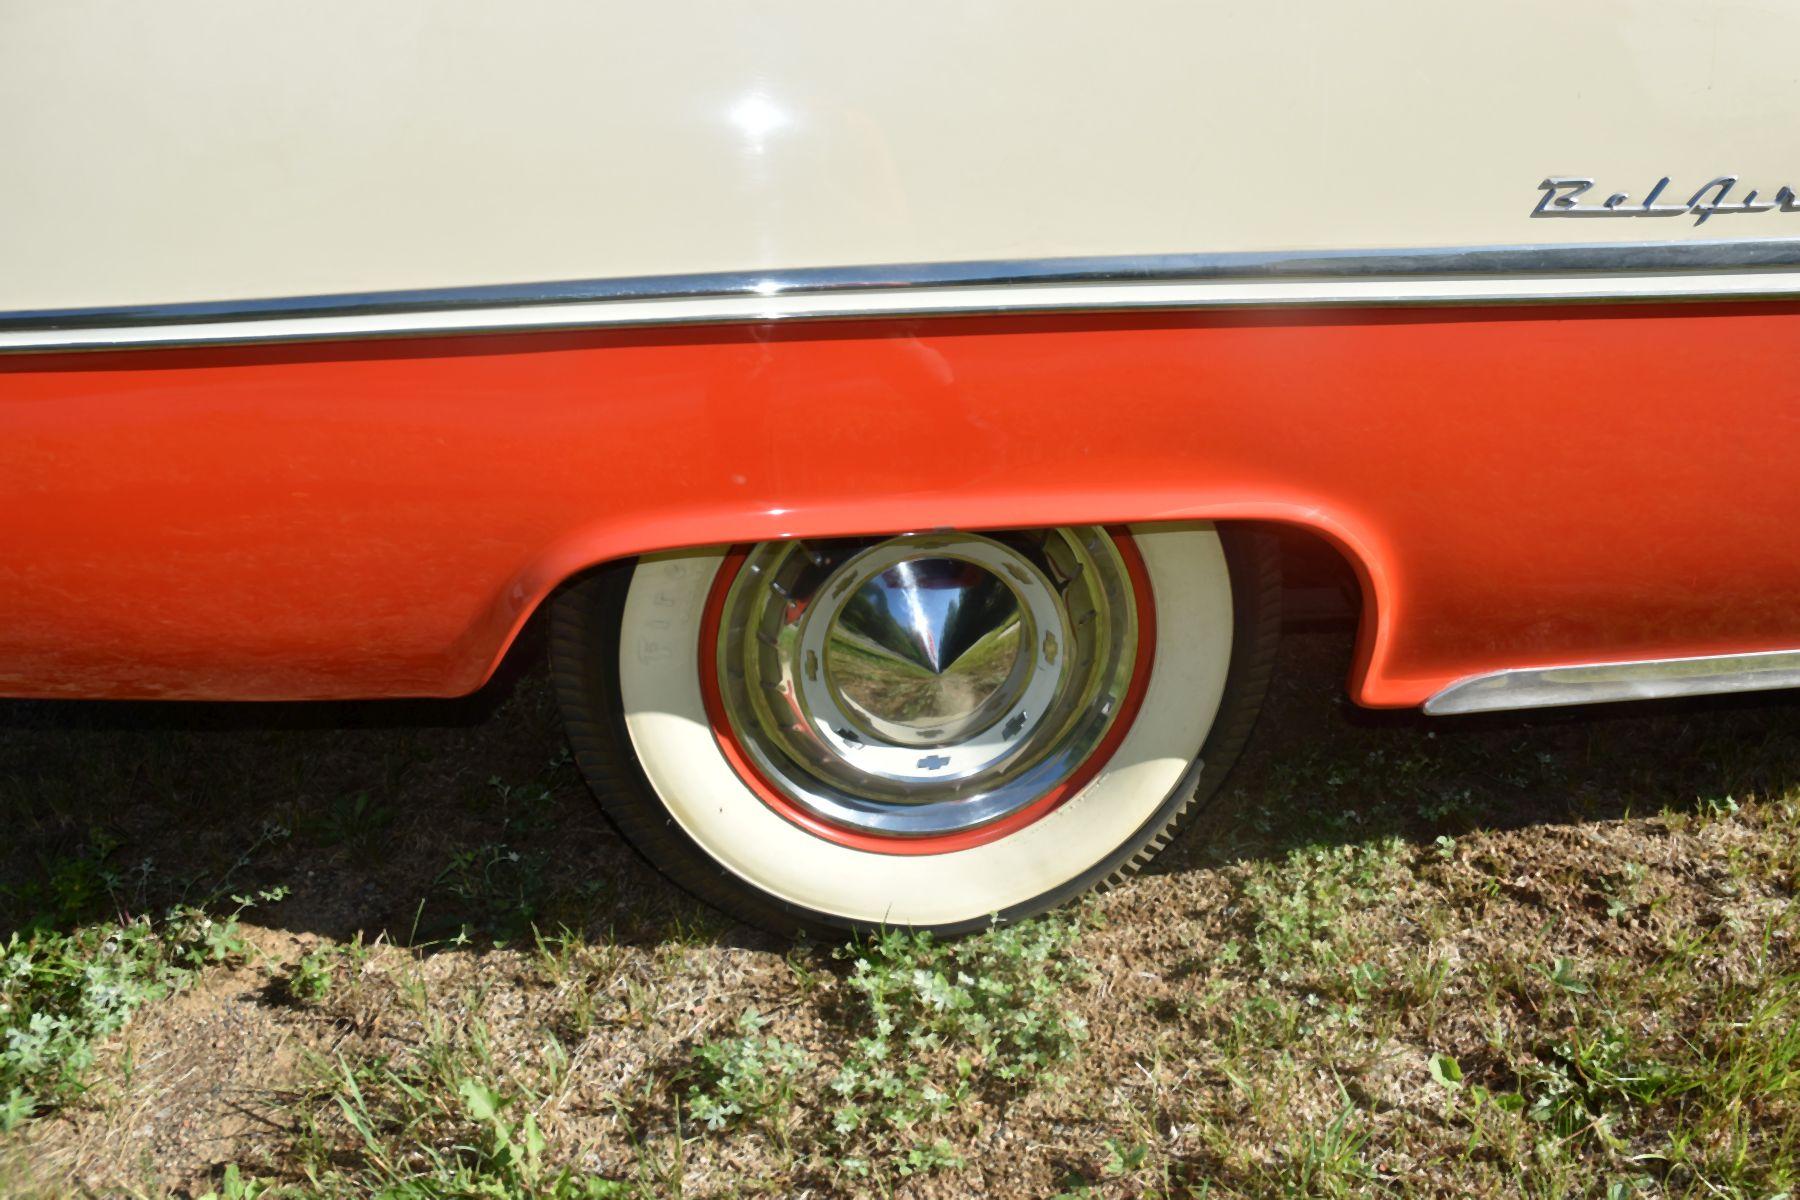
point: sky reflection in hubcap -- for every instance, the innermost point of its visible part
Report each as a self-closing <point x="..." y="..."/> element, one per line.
<point x="925" y="652"/>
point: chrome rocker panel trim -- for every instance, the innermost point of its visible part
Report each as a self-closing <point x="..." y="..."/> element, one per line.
<point x="1600" y="683"/>
<point x="1651" y="271"/>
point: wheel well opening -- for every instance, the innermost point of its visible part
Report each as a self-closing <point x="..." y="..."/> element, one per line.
<point x="1319" y="584"/>
<point x="1320" y="589"/>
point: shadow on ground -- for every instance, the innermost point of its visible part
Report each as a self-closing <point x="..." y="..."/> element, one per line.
<point x="451" y="823"/>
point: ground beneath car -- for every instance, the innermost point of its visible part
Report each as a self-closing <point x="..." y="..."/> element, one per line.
<point x="346" y="949"/>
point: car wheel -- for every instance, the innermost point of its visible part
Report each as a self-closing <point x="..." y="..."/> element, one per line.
<point x="934" y="730"/>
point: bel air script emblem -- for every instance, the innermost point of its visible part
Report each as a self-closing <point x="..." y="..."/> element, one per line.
<point x="1562" y="198"/>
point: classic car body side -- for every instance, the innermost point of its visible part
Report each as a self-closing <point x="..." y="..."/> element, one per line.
<point x="1518" y="489"/>
<point x="883" y="403"/>
<point x="379" y="518"/>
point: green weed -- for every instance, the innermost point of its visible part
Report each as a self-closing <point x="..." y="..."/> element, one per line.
<point x="62" y="994"/>
<point x="750" y="1077"/>
<point x="1303" y="903"/>
<point x="933" y="1021"/>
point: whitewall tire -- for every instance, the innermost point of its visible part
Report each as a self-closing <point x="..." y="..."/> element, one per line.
<point x="779" y="730"/>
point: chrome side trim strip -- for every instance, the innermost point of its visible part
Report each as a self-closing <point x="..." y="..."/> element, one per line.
<point x="1736" y="269"/>
<point x="1598" y="683"/>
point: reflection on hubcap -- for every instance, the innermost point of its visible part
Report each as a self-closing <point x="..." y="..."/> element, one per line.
<point x="926" y="649"/>
<point x="928" y="683"/>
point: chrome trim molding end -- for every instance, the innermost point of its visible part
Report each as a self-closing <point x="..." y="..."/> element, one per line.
<point x="1600" y="683"/>
<point x="1691" y="270"/>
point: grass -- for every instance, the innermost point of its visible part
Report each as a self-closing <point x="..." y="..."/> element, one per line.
<point x="749" y="1078"/>
<point x="928" y="1026"/>
<point x="1550" y="956"/>
<point x="63" y="993"/>
<point x="436" y="1128"/>
<point x="916" y="1030"/>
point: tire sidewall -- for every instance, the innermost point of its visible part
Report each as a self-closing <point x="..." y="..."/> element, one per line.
<point x="1088" y="838"/>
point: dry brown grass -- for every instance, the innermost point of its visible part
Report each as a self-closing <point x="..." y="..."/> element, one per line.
<point x="1540" y="956"/>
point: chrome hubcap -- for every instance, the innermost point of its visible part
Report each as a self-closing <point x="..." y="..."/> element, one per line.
<point x="927" y="651"/>
<point x="928" y="683"/>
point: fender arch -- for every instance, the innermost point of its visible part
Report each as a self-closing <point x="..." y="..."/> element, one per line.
<point x="608" y="541"/>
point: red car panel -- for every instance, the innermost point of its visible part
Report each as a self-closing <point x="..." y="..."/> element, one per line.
<point x="1516" y="486"/>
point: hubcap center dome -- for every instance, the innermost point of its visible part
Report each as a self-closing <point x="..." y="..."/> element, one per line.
<point x="929" y="651"/>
